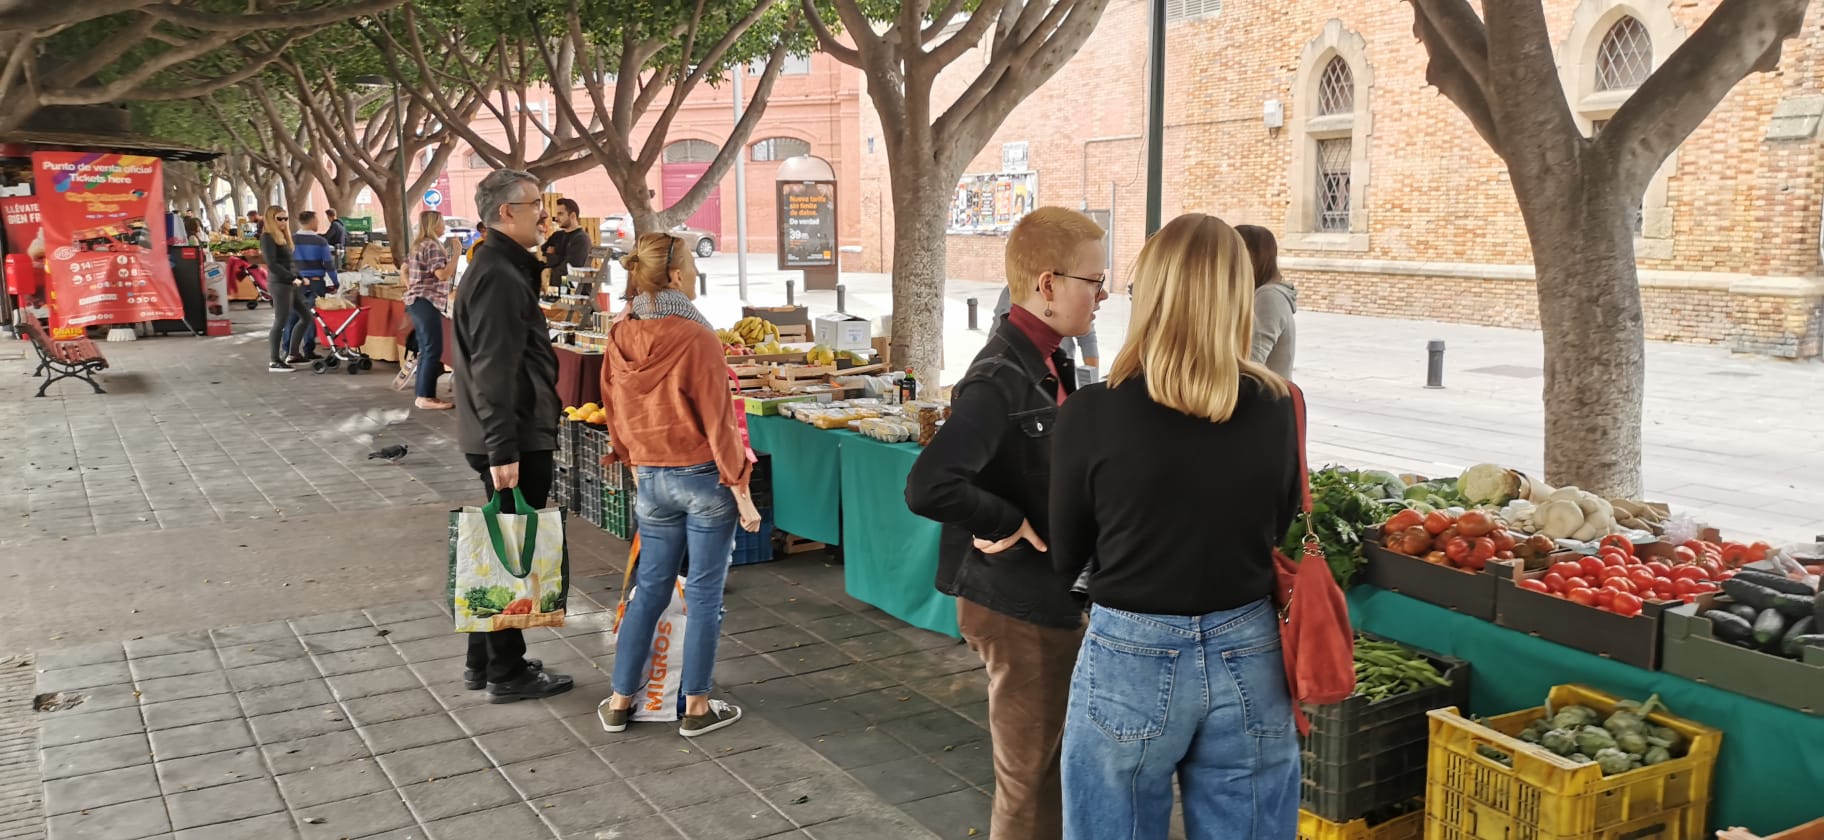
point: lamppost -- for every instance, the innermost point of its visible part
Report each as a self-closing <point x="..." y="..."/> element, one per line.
<point x="405" y="199"/>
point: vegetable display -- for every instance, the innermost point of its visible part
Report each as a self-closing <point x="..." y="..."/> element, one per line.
<point x="1386" y="669"/>
<point x="1616" y="579"/>
<point x="1467" y="540"/>
<point x="1766" y="612"/>
<point x="1623" y="741"/>
<point x="1345" y="504"/>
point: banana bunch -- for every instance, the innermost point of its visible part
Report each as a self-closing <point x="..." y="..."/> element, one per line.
<point x="821" y="355"/>
<point x="753" y="330"/>
<point x="727" y="337"/>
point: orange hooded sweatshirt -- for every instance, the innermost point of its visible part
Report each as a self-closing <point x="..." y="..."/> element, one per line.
<point x="665" y="391"/>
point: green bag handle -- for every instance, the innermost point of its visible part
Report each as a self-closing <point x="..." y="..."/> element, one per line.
<point x="489" y="514"/>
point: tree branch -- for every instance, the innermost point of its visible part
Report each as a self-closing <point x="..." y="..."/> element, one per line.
<point x="1458" y="60"/>
<point x="826" y="40"/>
<point x="938" y="24"/>
<point x="968" y="36"/>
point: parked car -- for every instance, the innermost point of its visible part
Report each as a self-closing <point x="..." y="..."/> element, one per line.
<point x="617" y="232"/>
<point x="459" y="228"/>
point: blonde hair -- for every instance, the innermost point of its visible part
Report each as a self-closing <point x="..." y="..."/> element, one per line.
<point x="1193" y="320"/>
<point x="651" y="260"/>
<point x="281" y="231"/>
<point x="1045" y="240"/>
<point x="428" y="219"/>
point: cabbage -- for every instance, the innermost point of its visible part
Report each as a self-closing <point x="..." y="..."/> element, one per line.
<point x="1487" y="484"/>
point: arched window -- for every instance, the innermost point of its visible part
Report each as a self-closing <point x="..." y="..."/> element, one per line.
<point x="1626" y="56"/>
<point x="780" y="148"/>
<point x="1329" y="129"/>
<point x="691" y="151"/>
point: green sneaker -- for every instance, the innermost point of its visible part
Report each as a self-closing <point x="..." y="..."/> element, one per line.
<point x="720" y="714"/>
<point x="613" y="720"/>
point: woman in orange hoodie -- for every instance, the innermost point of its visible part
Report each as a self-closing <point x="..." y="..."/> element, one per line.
<point x="670" y="417"/>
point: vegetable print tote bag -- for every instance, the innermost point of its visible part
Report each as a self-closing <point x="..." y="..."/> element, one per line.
<point x="508" y="569"/>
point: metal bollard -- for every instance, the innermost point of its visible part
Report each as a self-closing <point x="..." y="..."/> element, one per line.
<point x="789" y="300"/>
<point x="842" y="298"/>
<point x="702" y="283"/>
<point x="1434" y="368"/>
<point x="972" y="307"/>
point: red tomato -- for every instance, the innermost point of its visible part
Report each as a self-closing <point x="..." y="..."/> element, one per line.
<point x="1436" y="521"/>
<point x="1613" y="572"/>
<point x="1625" y="604"/>
<point x="1643" y="578"/>
<point x="1734" y="554"/>
<point x="1725" y="575"/>
<point x="1604" y="597"/>
<point x="1584" y="595"/>
<point x="1690" y="572"/>
<point x="1685" y="554"/>
<point x="1699" y="587"/>
<point x="1618" y="541"/>
<point x="1504" y="541"/>
<point x="1554" y="582"/>
<point x="1407" y="518"/>
<point x="1620" y="584"/>
<point x="1475" y="523"/>
<point x="1535" y="585"/>
<point x="1592" y="567"/>
<point x="1659" y="569"/>
<point x="1682" y="589"/>
<point x="1576" y="583"/>
<point x="1614" y="556"/>
<point x="1758" y="552"/>
<point x="1567" y="569"/>
<point x="1711" y="568"/>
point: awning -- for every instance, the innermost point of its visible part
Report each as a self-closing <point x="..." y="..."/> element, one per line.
<point x="22" y="143"/>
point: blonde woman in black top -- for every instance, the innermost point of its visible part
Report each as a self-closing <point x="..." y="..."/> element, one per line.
<point x="282" y="281"/>
<point x="1174" y="481"/>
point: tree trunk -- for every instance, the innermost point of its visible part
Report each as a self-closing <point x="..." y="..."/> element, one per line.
<point x="921" y="210"/>
<point x="1593" y="324"/>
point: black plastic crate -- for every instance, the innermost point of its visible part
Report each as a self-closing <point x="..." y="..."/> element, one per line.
<point x="756" y="547"/>
<point x="563" y="487"/>
<point x="589" y="499"/>
<point x="1364" y="756"/>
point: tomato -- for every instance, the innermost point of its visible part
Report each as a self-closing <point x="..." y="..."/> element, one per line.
<point x="1711" y="568"/>
<point x="1612" y="572"/>
<point x="1576" y="583"/>
<point x="1682" y="589"/>
<point x="1407" y="518"/>
<point x="1659" y="569"/>
<point x="1642" y="578"/>
<point x="1702" y="587"/>
<point x="1611" y="557"/>
<point x="1504" y="541"/>
<point x="1618" y="541"/>
<point x="1685" y="554"/>
<point x="1554" y="582"/>
<point x="1758" y="552"/>
<point x="1690" y="572"/>
<point x="1504" y="555"/>
<point x="1567" y="569"/>
<point x="1734" y="554"/>
<point x="1457" y="549"/>
<point x="1620" y="584"/>
<point x="1436" y="521"/>
<point x="1625" y="604"/>
<point x="1583" y="595"/>
<point x="1725" y="575"/>
<point x="1604" y="597"/>
<point x="1475" y="523"/>
<point x="1437" y="558"/>
<point x="1535" y="585"/>
<point x="1592" y="567"/>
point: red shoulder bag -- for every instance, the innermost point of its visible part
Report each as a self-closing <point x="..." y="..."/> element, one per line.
<point x="1314" y="632"/>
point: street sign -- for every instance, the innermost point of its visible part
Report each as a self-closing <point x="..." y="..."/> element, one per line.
<point x="433" y="199"/>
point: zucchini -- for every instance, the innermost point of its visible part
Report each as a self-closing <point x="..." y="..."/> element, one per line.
<point x="1747" y="613"/>
<point x="1775" y="582"/>
<point x="1802" y="627"/>
<point x="1798" y="644"/>
<point x="1728" y="626"/>
<point x="1794" y="607"/>
<point x="1750" y="593"/>
<point x="1817" y="611"/>
<point x="1768" y="628"/>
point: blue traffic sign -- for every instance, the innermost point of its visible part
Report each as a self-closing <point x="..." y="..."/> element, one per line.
<point x="433" y="199"/>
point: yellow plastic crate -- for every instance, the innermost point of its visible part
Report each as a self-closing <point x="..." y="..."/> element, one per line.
<point x="1406" y="827"/>
<point x="1548" y="797"/>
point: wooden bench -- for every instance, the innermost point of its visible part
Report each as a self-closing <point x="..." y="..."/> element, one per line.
<point x="78" y="359"/>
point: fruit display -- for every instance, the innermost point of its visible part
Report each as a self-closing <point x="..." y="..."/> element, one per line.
<point x="754" y="331"/>
<point x="1467" y="540"/>
<point x="822" y="355"/>
<point x="1624" y="740"/>
<point x="587" y="413"/>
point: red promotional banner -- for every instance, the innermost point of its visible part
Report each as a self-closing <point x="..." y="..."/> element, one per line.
<point x="21" y="216"/>
<point x="104" y="249"/>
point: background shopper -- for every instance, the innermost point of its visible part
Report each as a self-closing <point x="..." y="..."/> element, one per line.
<point x="665" y="391"/>
<point x="1275" y="339"/>
<point x="984" y="477"/>
<point x="281" y="282"/>
<point x="1178" y="477"/>
<point x="427" y="297"/>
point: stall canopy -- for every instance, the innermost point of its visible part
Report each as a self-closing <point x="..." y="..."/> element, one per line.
<point x="23" y="142"/>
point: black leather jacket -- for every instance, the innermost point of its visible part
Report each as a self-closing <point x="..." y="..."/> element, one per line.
<point x="506" y="371"/>
<point x="988" y="469"/>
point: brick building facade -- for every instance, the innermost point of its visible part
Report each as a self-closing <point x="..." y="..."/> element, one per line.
<point x="1386" y="201"/>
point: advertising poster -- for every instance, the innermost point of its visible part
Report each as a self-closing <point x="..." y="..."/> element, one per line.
<point x="807" y="224"/>
<point x="106" y="261"/>
<point x="992" y="203"/>
<point x="23" y="232"/>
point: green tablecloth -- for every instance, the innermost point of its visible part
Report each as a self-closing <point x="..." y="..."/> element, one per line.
<point x="889" y="554"/>
<point x="1769" y="776"/>
<point x="806" y="479"/>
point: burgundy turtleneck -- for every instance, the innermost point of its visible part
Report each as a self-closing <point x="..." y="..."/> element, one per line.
<point x="1043" y="337"/>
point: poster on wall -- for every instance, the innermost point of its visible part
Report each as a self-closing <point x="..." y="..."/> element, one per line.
<point x="992" y="203"/>
<point x="23" y="231"/>
<point x="807" y="224"/>
<point x="107" y="261"/>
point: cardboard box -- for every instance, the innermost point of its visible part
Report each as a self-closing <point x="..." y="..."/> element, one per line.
<point x="780" y="316"/>
<point x="840" y="331"/>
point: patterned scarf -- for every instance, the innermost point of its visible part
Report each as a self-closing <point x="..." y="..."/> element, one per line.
<point x="668" y="303"/>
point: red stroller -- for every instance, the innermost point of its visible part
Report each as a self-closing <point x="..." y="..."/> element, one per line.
<point x="342" y="332"/>
<point x="238" y="269"/>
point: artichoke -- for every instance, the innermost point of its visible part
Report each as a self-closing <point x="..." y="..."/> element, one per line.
<point x="1571" y="717"/>
<point x="1613" y="761"/>
<point x="1580" y="758"/>
<point x="1655" y="755"/>
<point x="1594" y="739"/>
<point x="1631" y="742"/>
<point x="1624" y="721"/>
<point x="1560" y="741"/>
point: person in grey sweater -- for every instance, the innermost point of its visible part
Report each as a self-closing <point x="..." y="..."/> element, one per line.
<point x="1092" y="361"/>
<point x="1275" y="303"/>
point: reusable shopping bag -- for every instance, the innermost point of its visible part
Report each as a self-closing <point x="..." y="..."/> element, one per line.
<point x="1314" y="632"/>
<point x="658" y="700"/>
<point x="508" y="570"/>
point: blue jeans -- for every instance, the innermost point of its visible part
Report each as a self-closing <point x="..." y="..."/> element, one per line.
<point x="300" y="337"/>
<point x="1200" y="697"/>
<point x="427" y="325"/>
<point x="681" y="510"/>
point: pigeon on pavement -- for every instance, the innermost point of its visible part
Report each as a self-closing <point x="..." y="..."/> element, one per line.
<point x="392" y="453"/>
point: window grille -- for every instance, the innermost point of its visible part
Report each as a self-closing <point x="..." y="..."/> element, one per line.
<point x="780" y="148"/>
<point x="1336" y="89"/>
<point x="690" y="151"/>
<point x="1333" y="165"/>
<point x="1626" y="56"/>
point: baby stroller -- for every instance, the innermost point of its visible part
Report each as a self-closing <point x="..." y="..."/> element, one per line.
<point x="239" y="269"/>
<point x="342" y="332"/>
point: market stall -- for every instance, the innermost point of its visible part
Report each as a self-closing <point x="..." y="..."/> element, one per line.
<point x="889" y="553"/>
<point x="807" y="476"/>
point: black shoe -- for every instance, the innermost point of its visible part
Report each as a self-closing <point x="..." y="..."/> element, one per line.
<point x="474" y="680"/>
<point x="279" y="367"/>
<point x="532" y="686"/>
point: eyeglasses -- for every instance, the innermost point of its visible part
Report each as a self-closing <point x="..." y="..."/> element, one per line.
<point x="1101" y="283"/>
<point x="280" y="218"/>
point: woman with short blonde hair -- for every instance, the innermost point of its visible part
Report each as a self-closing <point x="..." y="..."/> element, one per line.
<point x="1173" y="482"/>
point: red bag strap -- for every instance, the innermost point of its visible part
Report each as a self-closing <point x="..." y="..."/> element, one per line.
<point x="1304" y="465"/>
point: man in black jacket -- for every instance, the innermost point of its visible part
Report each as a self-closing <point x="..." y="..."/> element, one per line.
<point x="567" y="247"/>
<point x="337" y="233"/>
<point x="986" y="477"/>
<point x="506" y="398"/>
